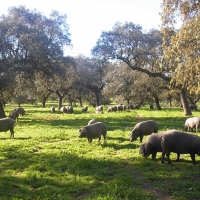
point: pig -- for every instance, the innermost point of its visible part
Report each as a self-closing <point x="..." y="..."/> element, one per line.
<point x="191" y="123"/>
<point x="130" y="106"/>
<point x="181" y="143"/>
<point x="63" y="109"/>
<point x="143" y="128"/>
<point x="136" y="106"/>
<point x="119" y="107"/>
<point x="112" y="109"/>
<point x="14" y="115"/>
<point x="69" y="109"/>
<point x="20" y="110"/>
<point x="85" y="109"/>
<point x="52" y="109"/>
<point x="152" y="145"/>
<point x="99" y="109"/>
<point x="7" y="124"/>
<point x="93" y="131"/>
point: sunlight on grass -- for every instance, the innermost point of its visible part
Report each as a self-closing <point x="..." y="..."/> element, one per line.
<point x="47" y="160"/>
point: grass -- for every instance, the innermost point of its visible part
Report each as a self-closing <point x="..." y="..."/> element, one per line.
<point x="47" y="160"/>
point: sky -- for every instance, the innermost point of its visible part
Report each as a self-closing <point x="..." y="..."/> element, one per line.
<point x="88" y="18"/>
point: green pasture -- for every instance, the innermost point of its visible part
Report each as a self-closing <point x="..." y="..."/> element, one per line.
<point x="46" y="159"/>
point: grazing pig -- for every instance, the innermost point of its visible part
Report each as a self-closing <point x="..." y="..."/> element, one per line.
<point x="112" y="109"/>
<point x="14" y="115"/>
<point x="191" y="123"/>
<point x="52" y="109"/>
<point x="130" y="106"/>
<point x="151" y="145"/>
<point x="119" y="107"/>
<point x="93" y="131"/>
<point x="136" y="106"/>
<point x="92" y="121"/>
<point x="20" y="110"/>
<point x="143" y="128"/>
<point x="99" y="109"/>
<point x="69" y="109"/>
<point x="85" y="109"/>
<point x="181" y="143"/>
<point x="7" y="124"/>
<point x="63" y="109"/>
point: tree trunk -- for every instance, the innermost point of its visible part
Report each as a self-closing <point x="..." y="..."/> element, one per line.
<point x="157" y="102"/>
<point x="184" y="102"/>
<point x="44" y="99"/>
<point x="2" y="113"/>
<point x="97" y="98"/>
<point x="70" y="102"/>
<point x="127" y="99"/>
<point x="80" y="101"/>
<point x="170" y="102"/>
<point x="151" y="106"/>
<point x="60" y="99"/>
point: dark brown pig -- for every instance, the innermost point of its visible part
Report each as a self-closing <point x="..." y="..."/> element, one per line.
<point x="151" y="145"/>
<point x="181" y="143"/>
<point x="93" y="131"/>
<point x="143" y="128"/>
<point x="7" y="124"/>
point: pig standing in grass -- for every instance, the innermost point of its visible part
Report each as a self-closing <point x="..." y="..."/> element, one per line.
<point x="143" y="128"/>
<point x="191" y="123"/>
<point x="85" y="109"/>
<point x="99" y="109"/>
<point x="53" y="110"/>
<point x="152" y="145"/>
<point x="63" y="110"/>
<point x="14" y="115"/>
<point x="20" y="110"/>
<point x="93" y="131"/>
<point x="7" y="124"/>
<point x="181" y="143"/>
<point x="112" y="109"/>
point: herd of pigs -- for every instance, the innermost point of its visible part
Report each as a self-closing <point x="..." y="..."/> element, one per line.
<point x="166" y="142"/>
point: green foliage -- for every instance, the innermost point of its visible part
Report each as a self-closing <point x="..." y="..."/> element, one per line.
<point x="47" y="160"/>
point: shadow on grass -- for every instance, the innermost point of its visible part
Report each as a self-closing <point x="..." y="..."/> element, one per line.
<point x="64" y="175"/>
<point x="123" y="124"/>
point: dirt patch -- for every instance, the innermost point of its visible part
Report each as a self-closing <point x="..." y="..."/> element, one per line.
<point x="157" y="192"/>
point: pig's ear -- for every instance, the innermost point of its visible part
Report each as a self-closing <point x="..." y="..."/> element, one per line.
<point x="80" y="130"/>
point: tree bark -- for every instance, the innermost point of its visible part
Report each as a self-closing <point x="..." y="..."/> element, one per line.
<point x="2" y="112"/>
<point x="97" y="98"/>
<point x="60" y="99"/>
<point x="184" y="102"/>
<point x="80" y="101"/>
<point x="157" y="102"/>
<point x="44" y="99"/>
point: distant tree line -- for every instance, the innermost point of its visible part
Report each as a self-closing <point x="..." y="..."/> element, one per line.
<point x="128" y="65"/>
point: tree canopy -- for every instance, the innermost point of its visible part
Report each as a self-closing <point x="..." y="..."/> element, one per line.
<point x="181" y="49"/>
